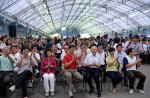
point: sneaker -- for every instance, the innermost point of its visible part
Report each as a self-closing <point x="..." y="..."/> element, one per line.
<point x="52" y="93"/>
<point x="47" y="94"/>
<point x="99" y="94"/>
<point x="131" y="91"/>
<point x="91" y="92"/>
<point x="141" y="91"/>
<point x="30" y="84"/>
<point x="74" y="90"/>
<point x="12" y="88"/>
<point x="37" y="71"/>
<point x="70" y="94"/>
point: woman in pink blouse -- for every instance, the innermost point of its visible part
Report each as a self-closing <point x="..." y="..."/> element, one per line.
<point x="48" y="66"/>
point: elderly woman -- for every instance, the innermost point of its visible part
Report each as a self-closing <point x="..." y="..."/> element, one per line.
<point x="24" y="72"/>
<point x="111" y="69"/>
<point x="48" y="66"/>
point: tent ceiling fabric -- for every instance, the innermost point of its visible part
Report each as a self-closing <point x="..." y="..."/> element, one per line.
<point x="92" y="16"/>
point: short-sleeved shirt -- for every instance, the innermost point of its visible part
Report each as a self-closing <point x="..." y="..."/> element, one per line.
<point x="128" y="60"/>
<point x="136" y="47"/>
<point x="121" y="56"/>
<point x="25" y="65"/>
<point x="81" y="61"/>
<point x="37" y="56"/>
<point x="112" y="67"/>
<point x="5" y="64"/>
<point x="103" y="58"/>
<point x="16" y="57"/>
<point x="62" y="55"/>
<point x="59" y="47"/>
<point x="67" y="58"/>
<point x="90" y="58"/>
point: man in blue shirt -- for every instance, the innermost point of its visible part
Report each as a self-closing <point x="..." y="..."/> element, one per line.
<point x="6" y="70"/>
<point x="119" y="53"/>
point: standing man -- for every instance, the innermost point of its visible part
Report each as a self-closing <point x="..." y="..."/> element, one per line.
<point x="136" y="45"/>
<point x="70" y="70"/>
<point x="92" y="62"/>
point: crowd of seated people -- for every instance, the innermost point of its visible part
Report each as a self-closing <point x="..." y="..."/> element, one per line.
<point x="80" y="59"/>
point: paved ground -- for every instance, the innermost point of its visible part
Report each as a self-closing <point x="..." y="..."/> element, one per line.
<point x="38" y="91"/>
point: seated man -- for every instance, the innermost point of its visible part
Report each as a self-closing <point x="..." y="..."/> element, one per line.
<point x="15" y="55"/>
<point x="6" y="70"/>
<point x="119" y="53"/>
<point x="131" y="64"/>
<point x="64" y="52"/>
<point x="36" y="58"/>
<point x="70" y="70"/>
<point x="81" y="54"/>
<point x="103" y="56"/>
<point x="92" y="62"/>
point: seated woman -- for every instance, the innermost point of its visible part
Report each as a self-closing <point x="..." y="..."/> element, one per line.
<point x="131" y="64"/>
<point x="24" y="71"/>
<point x="111" y="69"/>
<point x="48" y="66"/>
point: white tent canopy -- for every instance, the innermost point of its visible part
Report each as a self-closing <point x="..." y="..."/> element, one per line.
<point x="86" y="15"/>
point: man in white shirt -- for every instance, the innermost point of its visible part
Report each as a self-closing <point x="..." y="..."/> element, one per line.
<point x="59" y="48"/>
<point x="36" y="58"/>
<point x="15" y="56"/>
<point x="103" y="60"/>
<point x="136" y="45"/>
<point x="92" y="62"/>
<point x="64" y="52"/>
<point x="119" y="53"/>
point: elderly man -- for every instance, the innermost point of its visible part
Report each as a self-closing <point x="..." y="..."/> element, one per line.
<point x="6" y="70"/>
<point x="70" y="70"/>
<point x="92" y="62"/>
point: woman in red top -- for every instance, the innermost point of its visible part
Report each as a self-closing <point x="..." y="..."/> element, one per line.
<point x="48" y="66"/>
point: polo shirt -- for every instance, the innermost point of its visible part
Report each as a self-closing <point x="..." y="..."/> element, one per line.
<point x="67" y="58"/>
<point x="136" y="47"/>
